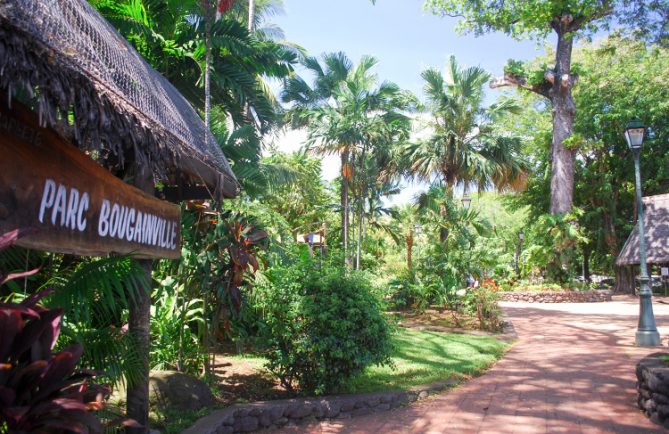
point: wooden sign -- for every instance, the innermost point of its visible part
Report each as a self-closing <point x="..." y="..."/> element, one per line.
<point x="75" y="204"/>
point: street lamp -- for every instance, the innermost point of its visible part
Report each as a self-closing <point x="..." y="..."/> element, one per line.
<point x="419" y="229"/>
<point x="646" y="333"/>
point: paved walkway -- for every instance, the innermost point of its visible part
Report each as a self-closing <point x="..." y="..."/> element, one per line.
<point x="571" y="371"/>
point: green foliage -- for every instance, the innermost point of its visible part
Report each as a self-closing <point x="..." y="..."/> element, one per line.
<point x="176" y="328"/>
<point x="171" y="37"/>
<point x="323" y="329"/>
<point x="305" y="202"/>
<point x="465" y="147"/>
<point x="519" y="18"/>
<point x="41" y="391"/>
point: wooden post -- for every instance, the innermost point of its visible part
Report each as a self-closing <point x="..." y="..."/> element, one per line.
<point x="138" y="326"/>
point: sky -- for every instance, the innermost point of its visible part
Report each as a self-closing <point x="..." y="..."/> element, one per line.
<point x="402" y="36"/>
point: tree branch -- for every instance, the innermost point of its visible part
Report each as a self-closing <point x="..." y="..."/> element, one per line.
<point x="521" y="82"/>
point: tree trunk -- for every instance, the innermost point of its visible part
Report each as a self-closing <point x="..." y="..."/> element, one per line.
<point x="624" y="281"/>
<point x="207" y="69"/>
<point x="252" y="15"/>
<point x="564" y="111"/>
<point x="409" y="240"/>
<point x="137" y="398"/>
<point x="359" y="234"/>
<point x="344" y="204"/>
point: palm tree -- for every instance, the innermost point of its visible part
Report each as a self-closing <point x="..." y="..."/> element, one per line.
<point x="171" y="36"/>
<point x="464" y="147"/>
<point x="347" y="114"/>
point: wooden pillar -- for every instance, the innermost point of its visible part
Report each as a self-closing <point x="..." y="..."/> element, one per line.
<point x="138" y="326"/>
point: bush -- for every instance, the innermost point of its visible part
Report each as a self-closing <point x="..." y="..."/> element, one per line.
<point x="482" y="302"/>
<point x="322" y="329"/>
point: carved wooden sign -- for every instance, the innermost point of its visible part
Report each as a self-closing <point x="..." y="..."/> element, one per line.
<point x="76" y="205"/>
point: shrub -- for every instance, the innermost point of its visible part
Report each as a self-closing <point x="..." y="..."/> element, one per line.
<point x="323" y="329"/>
<point x="483" y="303"/>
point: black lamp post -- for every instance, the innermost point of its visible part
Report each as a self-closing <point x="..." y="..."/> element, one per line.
<point x="646" y="334"/>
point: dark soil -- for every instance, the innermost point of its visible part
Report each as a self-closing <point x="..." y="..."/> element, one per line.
<point x="241" y="381"/>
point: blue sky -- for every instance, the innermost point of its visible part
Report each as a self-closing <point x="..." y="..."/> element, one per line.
<point x="402" y="36"/>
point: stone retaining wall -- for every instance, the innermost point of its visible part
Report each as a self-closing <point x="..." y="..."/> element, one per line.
<point x="260" y="415"/>
<point x="558" y="296"/>
<point x="653" y="388"/>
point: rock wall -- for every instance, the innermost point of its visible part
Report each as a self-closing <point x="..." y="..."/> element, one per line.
<point x="274" y="414"/>
<point x="558" y="296"/>
<point x="653" y="388"/>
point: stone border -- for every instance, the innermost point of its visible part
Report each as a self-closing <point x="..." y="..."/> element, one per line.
<point x="273" y="414"/>
<point x="593" y="296"/>
<point x="653" y="388"/>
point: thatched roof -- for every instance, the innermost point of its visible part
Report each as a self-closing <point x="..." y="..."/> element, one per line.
<point x="656" y="228"/>
<point x="66" y="58"/>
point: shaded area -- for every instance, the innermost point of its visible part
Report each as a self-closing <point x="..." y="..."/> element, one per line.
<point x="241" y="379"/>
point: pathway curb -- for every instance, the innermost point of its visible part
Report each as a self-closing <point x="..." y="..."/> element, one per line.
<point x="267" y="414"/>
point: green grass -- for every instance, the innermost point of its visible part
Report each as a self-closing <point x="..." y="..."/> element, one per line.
<point x="423" y="357"/>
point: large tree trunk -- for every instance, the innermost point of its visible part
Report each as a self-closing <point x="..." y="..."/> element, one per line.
<point x="624" y="281"/>
<point x="137" y="397"/>
<point x="564" y="111"/>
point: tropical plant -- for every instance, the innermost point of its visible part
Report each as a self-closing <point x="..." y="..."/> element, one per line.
<point x="176" y="329"/>
<point x="348" y="115"/>
<point x="464" y="147"/>
<point x="40" y="391"/>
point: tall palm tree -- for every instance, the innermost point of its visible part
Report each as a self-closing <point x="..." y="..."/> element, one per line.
<point x="464" y="147"/>
<point x="346" y="114"/>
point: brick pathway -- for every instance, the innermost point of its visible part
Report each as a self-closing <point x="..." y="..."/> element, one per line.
<point x="571" y="371"/>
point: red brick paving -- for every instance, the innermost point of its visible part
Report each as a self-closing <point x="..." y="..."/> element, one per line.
<point x="571" y="371"/>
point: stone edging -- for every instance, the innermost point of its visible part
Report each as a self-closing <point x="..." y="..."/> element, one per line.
<point x="592" y="296"/>
<point x="653" y="388"/>
<point x="265" y="414"/>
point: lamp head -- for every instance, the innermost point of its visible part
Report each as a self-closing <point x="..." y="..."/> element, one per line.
<point x="634" y="132"/>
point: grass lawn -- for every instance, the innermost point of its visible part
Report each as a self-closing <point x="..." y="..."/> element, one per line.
<point x="423" y="357"/>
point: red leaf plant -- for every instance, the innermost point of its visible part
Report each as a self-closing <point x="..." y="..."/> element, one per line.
<point x="41" y="391"/>
<point x="243" y="243"/>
